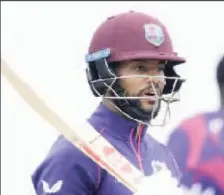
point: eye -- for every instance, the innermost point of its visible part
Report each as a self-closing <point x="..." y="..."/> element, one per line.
<point x="161" y="67"/>
<point x="141" y="68"/>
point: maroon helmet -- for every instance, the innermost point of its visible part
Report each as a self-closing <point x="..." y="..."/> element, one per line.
<point x="134" y="35"/>
<point x="129" y="36"/>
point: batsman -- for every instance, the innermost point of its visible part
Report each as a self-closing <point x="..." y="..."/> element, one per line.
<point x="130" y="66"/>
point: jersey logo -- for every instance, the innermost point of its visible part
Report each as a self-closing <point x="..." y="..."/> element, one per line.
<point x="154" y="34"/>
<point x="55" y="188"/>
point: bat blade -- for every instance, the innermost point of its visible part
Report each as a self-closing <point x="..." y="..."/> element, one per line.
<point x="90" y="142"/>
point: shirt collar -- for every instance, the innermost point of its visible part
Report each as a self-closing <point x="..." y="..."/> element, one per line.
<point x="105" y="119"/>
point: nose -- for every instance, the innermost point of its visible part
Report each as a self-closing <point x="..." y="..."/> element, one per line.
<point x="157" y="79"/>
<point x="157" y="76"/>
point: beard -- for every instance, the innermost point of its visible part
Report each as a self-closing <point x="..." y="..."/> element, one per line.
<point x="135" y="108"/>
<point x="151" y="112"/>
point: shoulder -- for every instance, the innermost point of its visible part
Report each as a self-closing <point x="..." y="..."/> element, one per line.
<point x="163" y="154"/>
<point x="200" y="120"/>
<point x="194" y="130"/>
<point x="63" y="151"/>
<point x="190" y="123"/>
<point x="188" y="131"/>
<point x="157" y="146"/>
<point x="67" y="163"/>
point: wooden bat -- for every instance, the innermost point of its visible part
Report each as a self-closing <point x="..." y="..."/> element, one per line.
<point x="88" y="140"/>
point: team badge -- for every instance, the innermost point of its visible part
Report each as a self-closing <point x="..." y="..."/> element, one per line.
<point x="154" y="34"/>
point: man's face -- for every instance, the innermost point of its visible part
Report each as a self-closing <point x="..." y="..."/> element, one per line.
<point x="143" y="87"/>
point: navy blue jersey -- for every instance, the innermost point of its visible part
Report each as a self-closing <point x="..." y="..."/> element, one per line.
<point x="198" y="147"/>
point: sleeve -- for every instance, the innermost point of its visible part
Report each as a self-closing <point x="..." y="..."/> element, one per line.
<point x="178" y="146"/>
<point x="66" y="173"/>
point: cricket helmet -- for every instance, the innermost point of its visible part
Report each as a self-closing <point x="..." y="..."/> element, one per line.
<point x="130" y="36"/>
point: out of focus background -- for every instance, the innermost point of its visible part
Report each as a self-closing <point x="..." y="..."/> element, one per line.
<point x="45" y="43"/>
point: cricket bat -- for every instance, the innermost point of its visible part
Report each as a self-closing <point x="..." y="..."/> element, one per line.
<point x="90" y="142"/>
